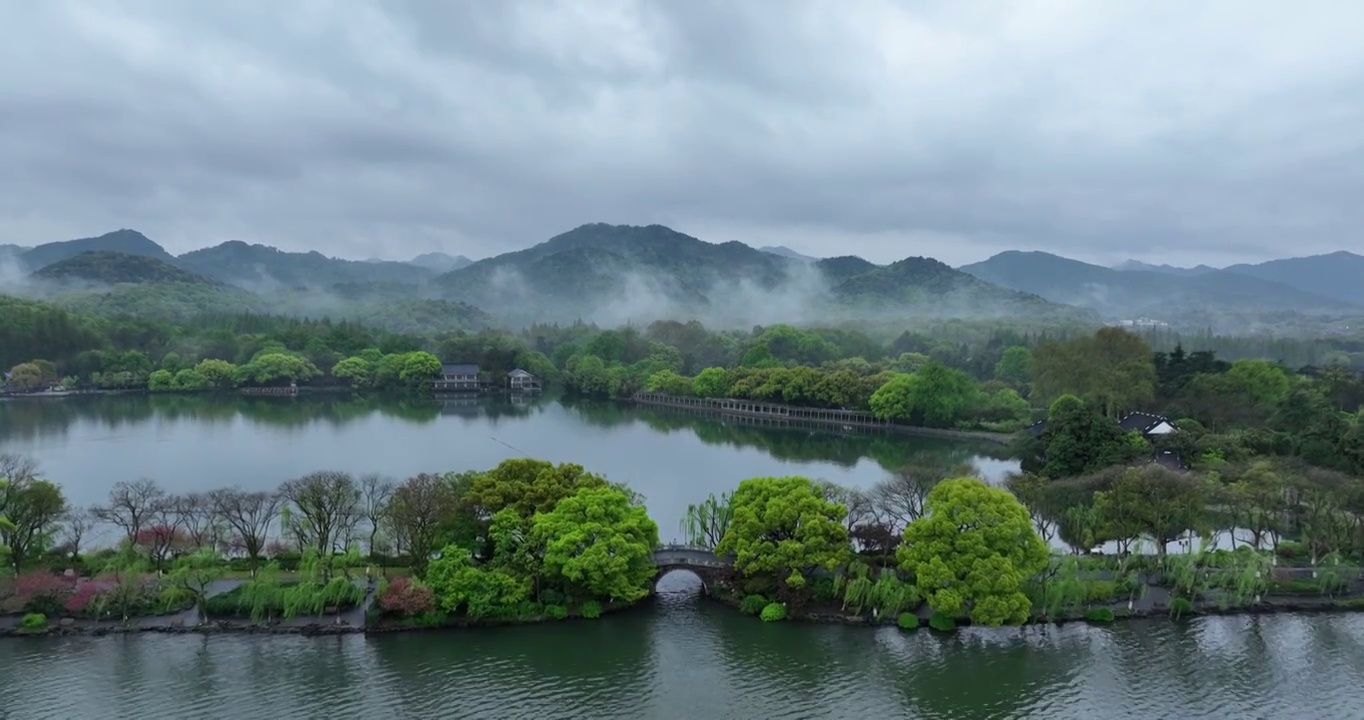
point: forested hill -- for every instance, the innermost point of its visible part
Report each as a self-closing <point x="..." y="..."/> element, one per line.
<point x="127" y="242"/>
<point x="929" y="284"/>
<point x="1222" y="299"/>
<point x="254" y="266"/>
<point x="614" y="274"/>
<point x="111" y="268"/>
<point x="654" y="272"/>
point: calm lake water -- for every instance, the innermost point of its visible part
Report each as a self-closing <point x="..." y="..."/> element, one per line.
<point x="198" y="443"/>
<point x="686" y="658"/>
<point x="679" y="656"/>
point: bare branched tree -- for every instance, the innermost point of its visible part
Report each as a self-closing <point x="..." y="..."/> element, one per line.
<point x="249" y="516"/>
<point x="77" y="524"/>
<point x="133" y="506"/>
<point x="420" y="505"/>
<point x="375" y="494"/>
<point x="900" y="497"/>
<point x="324" y="508"/>
<point x="17" y="468"/>
<point x="857" y="503"/>
<point x="197" y="519"/>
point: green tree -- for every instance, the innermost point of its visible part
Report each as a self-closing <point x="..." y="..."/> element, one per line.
<point x="1262" y="381"/>
<point x="972" y="551"/>
<point x="1079" y="439"/>
<point x="669" y="383"/>
<point x="275" y="368"/>
<point x="1152" y="501"/>
<point x="527" y="486"/>
<point x="5" y="526"/>
<point x="195" y="572"/>
<point x="1015" y="366"/>
<point x="1114" y="369"/>
<point x="219" y="373"/>
<point x="599" y="540"/>
<point x="459" y="585"/>
<point x="355" y="370"/>
<point x="161" y="381"/>
<point x="26" y="375"/>
<point x="781" y="525"/>
<point x="935" y="396"/>
<point x="418" y="370"/>
<point x="31" y="509"/>
<point x="190" y="380"/>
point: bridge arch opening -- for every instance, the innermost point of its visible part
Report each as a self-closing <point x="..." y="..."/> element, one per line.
<point x="679" y="580"/>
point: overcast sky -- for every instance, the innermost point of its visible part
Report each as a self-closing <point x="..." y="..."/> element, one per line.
<point x="1185" y="132"/>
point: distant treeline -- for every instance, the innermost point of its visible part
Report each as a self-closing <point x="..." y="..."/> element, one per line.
<point x="126" y="352"/>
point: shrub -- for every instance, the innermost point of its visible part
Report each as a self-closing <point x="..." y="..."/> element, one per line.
<point x="33" y="621"/>
<point x="907" y="621"/>
<point x="1100" y="590"/>
<point x="84" y="596"/>
<point x="407" y="597"/>
<point x="1180" y="607"/>
<point x="591" y="609"/>
<point x="774" y="612"/>
<point x="552" y="597"/>
<point x="942" y="622"/>
<point x="40" y="592"/>
<point x="1099" y="615"/>
<point x="556" y="612"/>
<point x="824" y="589"/>
<point x="752" y="604"/>
<point x="174" y="598"/>
<point x="1289" y="550"/>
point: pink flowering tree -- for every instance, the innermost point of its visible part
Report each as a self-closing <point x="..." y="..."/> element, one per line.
<point x="40" y="592"/>
<point x="407" y="597"/>
<point x="160" y="543"/>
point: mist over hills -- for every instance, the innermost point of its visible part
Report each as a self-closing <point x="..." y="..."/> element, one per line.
<point x="787" y="252"/>
<point x="1170" y="269"/>
<point x="252" y="266"/>
<point x="440" y="262"/>
<point x="1226" y="300"/>
<point x="1339" y="274"/>
<point x="111" y="268"/>
<point x="618" y="273"/>
<point x="614" y="274"/>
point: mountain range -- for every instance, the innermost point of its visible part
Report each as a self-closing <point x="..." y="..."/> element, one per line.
<point x="616" y="273"/>
<point x="1238" y="298"/>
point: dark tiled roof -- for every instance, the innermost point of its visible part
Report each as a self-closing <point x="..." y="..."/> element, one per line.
<point x="459" y="369"/>
<point x="1142" y="422"/>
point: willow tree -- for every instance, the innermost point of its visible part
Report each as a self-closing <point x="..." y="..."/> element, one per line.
<point x="705" y="524"/>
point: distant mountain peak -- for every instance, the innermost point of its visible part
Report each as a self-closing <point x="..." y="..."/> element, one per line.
<point x="787" y="252"/>
<point x="1130" y="265"/>
<point x="440" y="262"/>
<point x="125" y="240"/>
<point x="111" y="268"/>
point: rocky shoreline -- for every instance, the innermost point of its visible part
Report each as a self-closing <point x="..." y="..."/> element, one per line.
<point x="315" y="627"/>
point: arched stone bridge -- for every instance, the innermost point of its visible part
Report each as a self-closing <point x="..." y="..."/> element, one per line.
<point x="697" y="560"/>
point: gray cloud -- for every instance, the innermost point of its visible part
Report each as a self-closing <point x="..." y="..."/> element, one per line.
<point x="1211" y="132"/>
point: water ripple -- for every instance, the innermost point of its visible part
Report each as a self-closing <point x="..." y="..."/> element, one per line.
<point x="684" y="657"/>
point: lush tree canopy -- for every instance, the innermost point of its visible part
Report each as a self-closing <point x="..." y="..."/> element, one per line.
<point x="971" y="552"/>
<point x="597" y="539"/>
<point x="783" y="525"/>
